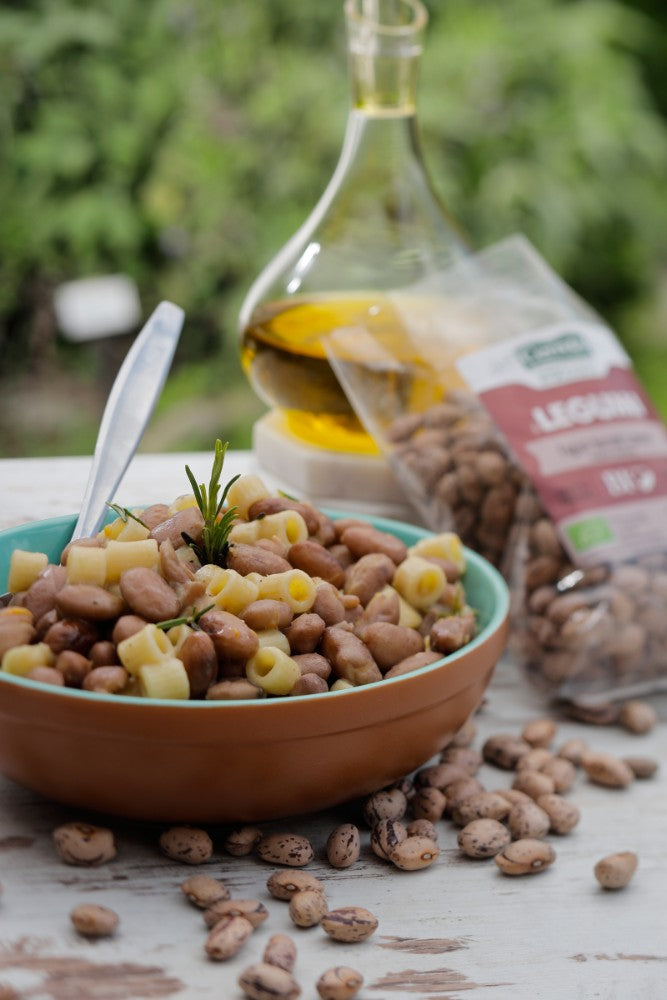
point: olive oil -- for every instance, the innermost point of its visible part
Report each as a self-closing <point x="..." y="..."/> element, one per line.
<point x="284" y="354"/>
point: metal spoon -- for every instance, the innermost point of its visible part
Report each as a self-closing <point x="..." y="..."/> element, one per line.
<point x="131" y="402"/>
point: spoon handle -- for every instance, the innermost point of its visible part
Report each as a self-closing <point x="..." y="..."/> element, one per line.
<point x="131" y="401"/>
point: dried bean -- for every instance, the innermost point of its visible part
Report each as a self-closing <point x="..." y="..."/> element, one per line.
<point x="187" y="844"/>
<point x="429" y="803"/>
<point x="562" y="772"/>
<point x="616" y="870"/>
<point x="637" y="716"/>
<point x="203" y="890"/>
<point x="343" y="846"/>
<point x="94" y="921"/>
<point x="264" y="981"/>
<point x="563" y="815"/>
<point x="414" y="853"/>
<point x="349" y="923"/>
<point x="339" y="983"/>
<point x="283" y="884"/>
<point x="84" y="844"/>
<point x="533" y="783"/>
<point x="573" y="750"/>
<point x="641" y="767"/>
<point x="307" y="907"/>
<point x="504" y="750"/>
<point x="252" y="909"/>
<point x="289" y="849"/>
<point x="483" y="838"/>
<point x="386" y="835"/>
<point x="483" y="805"/>
<point x="243" y="841"/>
<point x="465" y="757"/>
<point x="525" y="857"/>
<point x="227" y="937"/>
<point x="539" y="732"/>
<point x="280" y="950"/>
<point x="527" y="819"/>
<point x="605" y="769"/>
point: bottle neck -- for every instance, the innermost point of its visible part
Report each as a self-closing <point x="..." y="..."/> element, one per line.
<point x="384" y="52"/>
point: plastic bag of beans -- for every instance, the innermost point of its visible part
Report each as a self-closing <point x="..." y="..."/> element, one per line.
<point x="535" y="442"/>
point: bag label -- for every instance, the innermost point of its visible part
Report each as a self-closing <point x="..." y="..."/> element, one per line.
<point x="580" y="424"/>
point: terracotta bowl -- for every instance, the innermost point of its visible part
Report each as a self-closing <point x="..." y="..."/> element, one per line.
<point x="215" y="762"/>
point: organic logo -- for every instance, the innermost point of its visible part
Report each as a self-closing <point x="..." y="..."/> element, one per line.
<point x="563" y="347"/>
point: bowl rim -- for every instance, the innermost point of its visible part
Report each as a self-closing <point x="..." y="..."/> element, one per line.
<point x="498" y="586"/>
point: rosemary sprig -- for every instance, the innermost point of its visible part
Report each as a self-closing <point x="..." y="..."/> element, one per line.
<point x="185" y="620"/>
<point x="217" y="525"/>
<point x="124" y="514"/>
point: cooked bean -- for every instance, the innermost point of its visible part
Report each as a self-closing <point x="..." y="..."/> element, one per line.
<point x="389" y="644"/>
<point x="106" y="680"/>
<point x="304" y="633"/>
<point x="126" y="626"/>
<point x="363" y="540"/>
<point x="328" y="604"/>
<point x="231" y="636"/>
<point x="94" y="921"/>
<point x="46" y="675"/>
<point x="187" y="844"/>
<point x="103" y="653"/>
<point x="255" y="559"/>
<point x="148" y="595"/>
<point x="616" y="870"/>
<point x="413" y="662"/>
<point x="267" y="614"/>
<point x="233" y="689"/>
<point x="40" y="596"/>
<point x="309" y="684"/>
<point x="385" y="606"/>
<point x="71" y="633"/>
<point x="349" y="657"/>
<point x="315" y="560"/>
<point x="198" y="656"/>
<point x="349" y="923"/>
<point x="188" y="521"/>
<point x="368" y="575"/>
<point x="84" y="844"/>
<point x="73" y="666"/>
<point x="88" y="601"/>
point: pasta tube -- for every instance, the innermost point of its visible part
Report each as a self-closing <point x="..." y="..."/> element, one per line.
<point x="126" y="555"/>
<point x="272" y="670"/>
<point x="245" y="492"/>
<point x="446" y="545"/>
<point x="20" y="660"/>
<point x="24" y="568"/>
<point x="293" y="586"/>
<point x="148" y="645"/>
<point x="87" y="564"/>
<point x="419" y="581"/>
<point x="231" y="591"/>
<point x="167" y="679"/>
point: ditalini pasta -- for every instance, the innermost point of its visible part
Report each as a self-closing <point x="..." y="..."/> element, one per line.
<point x="233" y="606"/>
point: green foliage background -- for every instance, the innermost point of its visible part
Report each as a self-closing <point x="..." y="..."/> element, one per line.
<point x="182" y="141"/>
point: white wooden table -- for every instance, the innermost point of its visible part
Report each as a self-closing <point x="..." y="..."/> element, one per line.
<point x="458" y="929"/>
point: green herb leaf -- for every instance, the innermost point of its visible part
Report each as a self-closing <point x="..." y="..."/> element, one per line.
<point x="124" y="514"/>
<point x="217" y="525"/>
<point x="185" y="620"/>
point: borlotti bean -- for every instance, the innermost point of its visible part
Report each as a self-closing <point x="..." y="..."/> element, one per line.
<point x="616" y="870"/>
<point x="386" y="835"/>
<point x="343" y="846"/>
<point x="84" y="844"/>
<point x="637" y="716"/>
<point x="414" y="853"/>
<point x="525" y="857"/>
<point x="243" y="841"/>
<point x="641" y="767"/>
<point x="483" y="838"/>
<point x="263" y="981"/>
<point x="289" y="849"/>
<point x="187" y="844"/>
<point x="349" y="923"/>
<point x="307" y="907"/>
<point x="292" y="604"/>
<point x="204" y="890"/>
<point x="227" y="937"/>
<point x="252" y="909"/>
<point x="339" y="983"/>
<point x="283" y="884"/>
<point x="606" y="769"/>
<point x="94" y="921"/>
<point x="280" y="950"/>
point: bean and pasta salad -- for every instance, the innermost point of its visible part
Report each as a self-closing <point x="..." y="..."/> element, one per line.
<point x="244" y="593"/>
